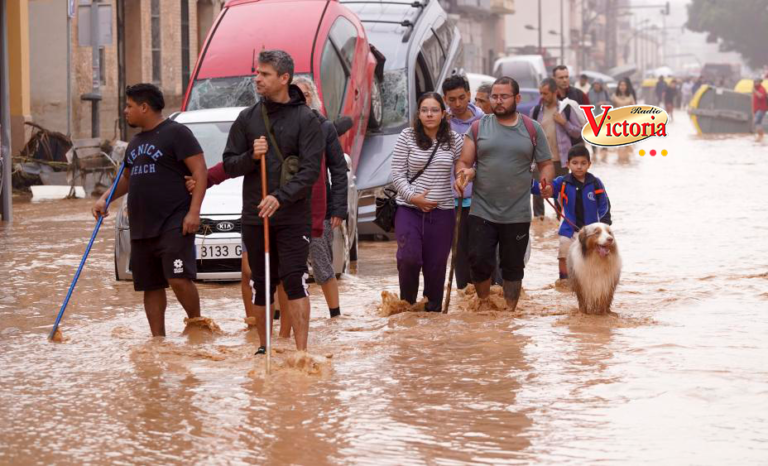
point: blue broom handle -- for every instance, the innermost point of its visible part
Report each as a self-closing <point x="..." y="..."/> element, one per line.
<point x="85" y="256"/>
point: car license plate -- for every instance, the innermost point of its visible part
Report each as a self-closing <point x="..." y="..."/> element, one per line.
<point x="219" y="251"/>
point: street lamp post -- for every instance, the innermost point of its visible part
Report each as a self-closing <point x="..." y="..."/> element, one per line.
<point x="539" y="29"/>
<point x="562" y="36"/>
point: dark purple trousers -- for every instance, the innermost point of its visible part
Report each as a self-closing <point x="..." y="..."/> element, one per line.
<point x="423" y="244"/>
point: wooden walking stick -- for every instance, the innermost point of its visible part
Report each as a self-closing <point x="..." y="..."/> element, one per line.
<point x="453" y="250"/>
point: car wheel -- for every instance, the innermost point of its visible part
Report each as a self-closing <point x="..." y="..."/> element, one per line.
<point x="377" y="106"/>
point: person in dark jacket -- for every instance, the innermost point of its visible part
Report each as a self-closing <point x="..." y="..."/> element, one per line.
<point x="564" y="89"/>
<point x="334" y="212"/>
<point x="297" y="132"/>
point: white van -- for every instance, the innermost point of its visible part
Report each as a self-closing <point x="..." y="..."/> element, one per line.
<point x="527" y="70"/>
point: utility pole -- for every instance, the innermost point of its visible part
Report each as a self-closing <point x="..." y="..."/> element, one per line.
<point x="541" y="52"/>
<point x="6" y="205"/>
<point x="582" y="54"/>
<point x="95" y="95"/>
<point x="71" y="9"/>
<point x="562" y="35"/>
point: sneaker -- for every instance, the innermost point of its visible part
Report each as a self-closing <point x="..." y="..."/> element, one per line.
<point x="261" y="350"/>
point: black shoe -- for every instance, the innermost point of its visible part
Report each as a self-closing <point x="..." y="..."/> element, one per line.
<point x="277" y="314"/>
<point x="432" y="307"/>
<point x="335" y="312"/>
<point x="261" y="350"/>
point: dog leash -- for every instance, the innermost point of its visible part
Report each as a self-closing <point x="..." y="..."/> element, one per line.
<point x="557" y="211"/>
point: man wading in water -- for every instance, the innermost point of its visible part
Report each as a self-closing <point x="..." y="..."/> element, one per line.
<point x="288" y="206"/>
<point x="503" y="147"/>
<point x="164" y="218"/>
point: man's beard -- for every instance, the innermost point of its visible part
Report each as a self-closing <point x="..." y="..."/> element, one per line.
<point x="506" y="112"/>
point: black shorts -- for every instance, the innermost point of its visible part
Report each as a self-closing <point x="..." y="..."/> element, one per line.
<point x="155" y="260"/>
<point x="288" y="254"/>
<point x="512" y="240"/>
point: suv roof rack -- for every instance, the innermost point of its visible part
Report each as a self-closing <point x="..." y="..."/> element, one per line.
<point x="406" y="23"/>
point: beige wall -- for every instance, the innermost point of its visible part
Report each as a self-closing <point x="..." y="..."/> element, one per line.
<point x="45" y="50"/>
<point x="48" y="60"/>
<point x="18" y="71"/>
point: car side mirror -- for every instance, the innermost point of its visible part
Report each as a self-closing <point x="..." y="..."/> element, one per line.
<point x="343" y="124"/>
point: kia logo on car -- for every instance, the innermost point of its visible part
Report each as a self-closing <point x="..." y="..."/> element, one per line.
<point x="225" y="226"/>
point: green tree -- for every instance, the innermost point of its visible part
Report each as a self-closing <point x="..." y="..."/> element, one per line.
<point x="740" y="25"/>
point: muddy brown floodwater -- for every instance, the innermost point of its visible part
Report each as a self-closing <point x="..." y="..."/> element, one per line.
<point x="680" y="377"/>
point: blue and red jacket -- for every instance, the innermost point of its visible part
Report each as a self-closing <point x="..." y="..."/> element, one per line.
<point x="597" y="207"/>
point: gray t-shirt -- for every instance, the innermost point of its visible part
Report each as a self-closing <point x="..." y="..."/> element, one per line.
<point x="502" y="192"/>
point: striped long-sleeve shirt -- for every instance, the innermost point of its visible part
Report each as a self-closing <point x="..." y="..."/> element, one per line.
<point x="408" y="159"/>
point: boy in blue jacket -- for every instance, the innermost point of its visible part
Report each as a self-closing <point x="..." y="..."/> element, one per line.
<point x="581" y="199"/>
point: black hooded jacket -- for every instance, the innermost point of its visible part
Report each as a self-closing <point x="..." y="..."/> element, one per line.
<point x="336" y="190"/>
<point x="298" y="133"/>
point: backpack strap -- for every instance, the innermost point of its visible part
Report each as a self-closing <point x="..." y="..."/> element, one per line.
<point x="475" y="130"/>
<point x="528" y="122"/>
<point x="270" y="133"/>
<point x="563" y="196"/>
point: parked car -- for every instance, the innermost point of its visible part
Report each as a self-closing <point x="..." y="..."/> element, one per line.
<point x="218" y="242"/>
<point x="327" y="42"/>
<point x="422" y="47"/>
<point x="529" y="98"/>
<point x="527" y="70"/>
<point x="477" y="80"/>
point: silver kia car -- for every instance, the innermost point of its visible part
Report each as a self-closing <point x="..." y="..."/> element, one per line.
<point x="218" y="242"/>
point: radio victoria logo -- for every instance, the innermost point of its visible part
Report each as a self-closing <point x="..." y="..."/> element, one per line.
<point x="624" y="125"/>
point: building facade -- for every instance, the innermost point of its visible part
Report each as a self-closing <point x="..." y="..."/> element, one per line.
<point x="154" y="41"/>
<point x="482" y="24"/>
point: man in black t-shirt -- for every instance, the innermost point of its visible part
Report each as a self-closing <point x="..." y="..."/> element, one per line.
<point x="164" y="218"/>
<point x="296" y="131"/>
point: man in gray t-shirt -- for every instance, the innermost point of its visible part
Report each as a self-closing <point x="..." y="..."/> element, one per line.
<point x="501" y="207"/>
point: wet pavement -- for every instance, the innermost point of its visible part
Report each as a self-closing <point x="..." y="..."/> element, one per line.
<point x="679" y="377"/>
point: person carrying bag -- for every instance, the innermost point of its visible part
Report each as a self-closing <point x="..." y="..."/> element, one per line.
<point x="424" y="205"/>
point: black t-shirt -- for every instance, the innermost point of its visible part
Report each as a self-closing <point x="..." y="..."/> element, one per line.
<point x="158" y="200"/>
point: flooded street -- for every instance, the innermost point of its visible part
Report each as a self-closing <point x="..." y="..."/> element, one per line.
<point x="680" y="377"/>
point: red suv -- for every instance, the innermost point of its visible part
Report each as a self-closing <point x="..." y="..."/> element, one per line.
<point x="327" y="43"/>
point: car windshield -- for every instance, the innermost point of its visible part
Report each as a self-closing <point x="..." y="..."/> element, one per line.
<point x="394" y="95"/>
<point x="212" y="137"/>
<point x="238" y="91"/>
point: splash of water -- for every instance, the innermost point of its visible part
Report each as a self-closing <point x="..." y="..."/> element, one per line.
<point x="204" y="323"/>
<point x="391" y="304"/>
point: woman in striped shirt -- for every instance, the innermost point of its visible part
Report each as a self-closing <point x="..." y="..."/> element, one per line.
<point x="424" y="220"/>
